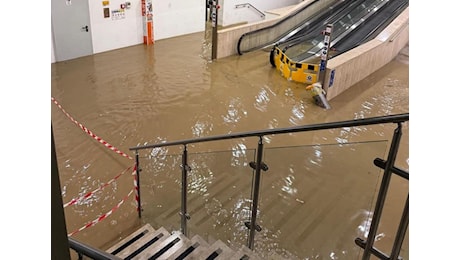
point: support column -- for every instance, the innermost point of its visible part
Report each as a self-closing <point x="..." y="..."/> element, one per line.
<point x="214" y="7"/>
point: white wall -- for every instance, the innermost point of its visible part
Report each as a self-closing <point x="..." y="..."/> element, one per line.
<point x="53" y="57"/>
<point x="229" y="15"/>
<point x="177" y="17"/>
<point x="107" y="33"/>
<point x="170" y="18"/>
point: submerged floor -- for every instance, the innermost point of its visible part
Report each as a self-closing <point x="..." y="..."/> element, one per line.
<point x="170" y="91"/>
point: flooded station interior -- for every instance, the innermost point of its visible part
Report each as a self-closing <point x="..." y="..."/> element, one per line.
<point x="317" y="194"/>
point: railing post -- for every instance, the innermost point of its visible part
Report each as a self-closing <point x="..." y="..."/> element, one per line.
<point x="183" y="212"/>
<point x="138" y="186"/>
<point x="399" y="239"/>
<point x="214" y="22"/>
<point x="255" y="194"/>
<point x="382" y="192"/>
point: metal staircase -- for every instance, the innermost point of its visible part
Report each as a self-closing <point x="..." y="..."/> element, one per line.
<point x="148" y="243"/>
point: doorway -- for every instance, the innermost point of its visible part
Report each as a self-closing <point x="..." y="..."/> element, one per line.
<point x="70" y="26"/>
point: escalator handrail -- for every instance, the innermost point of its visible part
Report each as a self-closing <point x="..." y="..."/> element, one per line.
<point x="344" y="35"/>
<point x="383" y="24"/>
<point x="273" y="25"/>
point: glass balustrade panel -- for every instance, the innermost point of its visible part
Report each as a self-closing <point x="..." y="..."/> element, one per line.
<point x="315" y="200"/>
<point x="219" y="195"/>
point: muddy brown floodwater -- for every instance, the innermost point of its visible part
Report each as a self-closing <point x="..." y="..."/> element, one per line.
<point x="171" y="91"/>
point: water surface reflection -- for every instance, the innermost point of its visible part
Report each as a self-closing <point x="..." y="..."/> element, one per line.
<point x="170" y="91"/>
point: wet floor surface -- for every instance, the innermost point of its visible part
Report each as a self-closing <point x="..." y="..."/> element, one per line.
<point x="172" y="91"/>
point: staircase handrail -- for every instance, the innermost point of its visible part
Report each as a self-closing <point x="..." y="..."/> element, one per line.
<point x="249" y="5"/>
<point x="89" y="251"/>
<point x="398" y="118"/>
<point x="258" y="166"/>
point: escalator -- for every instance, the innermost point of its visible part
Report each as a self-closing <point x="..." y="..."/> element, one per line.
<point x="317" y="24"/>
<point x="296" y="24"/>
<point x="298" y="57"/>
<point x="372" y="27"/>
<point x="353" y="26"/>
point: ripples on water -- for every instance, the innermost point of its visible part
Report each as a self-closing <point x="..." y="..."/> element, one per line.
<point x="163" y="95"/>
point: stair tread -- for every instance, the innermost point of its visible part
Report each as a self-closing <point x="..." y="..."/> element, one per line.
<point x="147" y="228"/>
<point x="196" y="242"/>
<point x="204" y="252"/>
<point x="161" y="233"/>
<point x="275" y="256"/>
<point x="199" y="239"/>
<point x="244" y="251"/>
<point x="157" y="247"/>
<point x="226" y="253"/>
<point x="199" y="252"/>
<point x="202" y="249"/>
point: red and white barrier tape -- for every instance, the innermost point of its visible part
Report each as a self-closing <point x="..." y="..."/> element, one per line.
<point x="102" y="217"/>
<point x="111" y="147"/>
<point x="100" y="140"/>
<point x="89" y="194"/>
<point x="136" y="188"/>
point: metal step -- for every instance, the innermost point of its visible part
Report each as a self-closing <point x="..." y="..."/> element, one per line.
<point x="127" y="241"/>
<point x="166" y="248"/>
<point x="196" y="243"/>
<point x="148" y="243"/>
<point x="218" y="250"/>
<point x="244" y="253"/>
<point x="149" y="240"/>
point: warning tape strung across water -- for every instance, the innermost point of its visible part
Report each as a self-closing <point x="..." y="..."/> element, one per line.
<point x="111" y="147"/>
<point x="89" y="194"/>
<point x="102" y="217"/>
<point x="100" y="140"/>
<point x="136" y="188"/>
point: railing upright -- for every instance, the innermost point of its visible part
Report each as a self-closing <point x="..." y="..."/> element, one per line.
<point x="382" y="192"/>
<point x="138" y="188"/>
<point x="255" y="194"/>
<point x="183" y="212"/>
<point x="399" y="239"/>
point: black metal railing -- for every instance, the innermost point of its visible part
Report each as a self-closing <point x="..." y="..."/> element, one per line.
<point x="258" y="165"/>
<point x="248" y="5"/>
<point x="403" y="223"/>
<point x="83" y="249"/>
